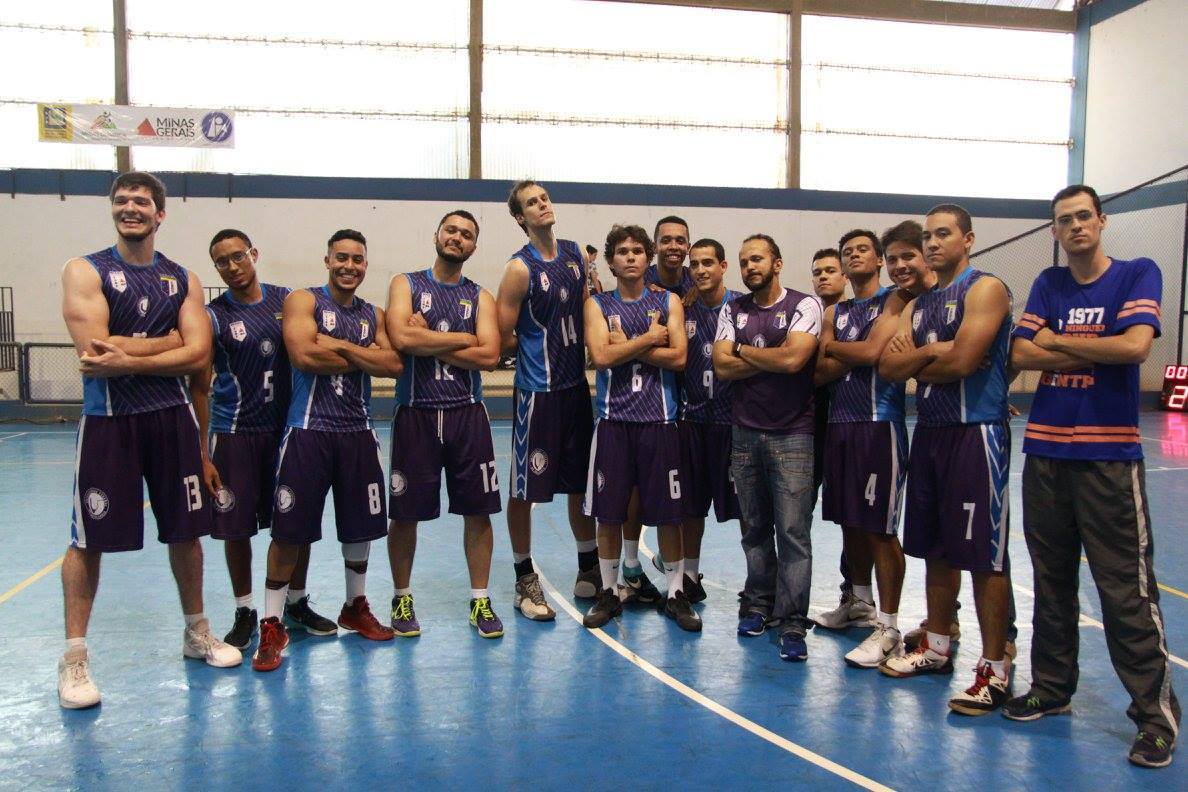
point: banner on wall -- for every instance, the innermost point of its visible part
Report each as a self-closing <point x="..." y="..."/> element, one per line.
<point x="124" y="125"/>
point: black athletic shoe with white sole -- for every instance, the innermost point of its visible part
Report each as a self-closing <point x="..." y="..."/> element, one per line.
<point x="243" y="629"/>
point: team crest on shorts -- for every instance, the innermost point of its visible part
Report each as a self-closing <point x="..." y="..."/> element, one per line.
<point x="950" y="311"/>
<point x="426" y="302"/>
<point x="364" y="329"/>
<point x="117" y="280"/>
<point x="917" y="317"/>
<point x="142" y="306"/>
<point x="690" y="328"/>
<point x="740" y="321"/>
<point x="399" y="483"/>
<point x="329" y="320"/>
<point x="238" y="330"/>
<point x="760" y="341"/>
<point x="267" y="347"/>
<point x="781" y="320"/>
<point x="544" y="281"/>
<point x="97" y="503"/>
<point x="600" y="481"/>
<point x="284" y="499"/>
<point x="538" y="460"/>
<point x="170" y="285"/>
<point x="224" y="500"/>
<point x="467" y="308"/>
<point x="708" y="349"/>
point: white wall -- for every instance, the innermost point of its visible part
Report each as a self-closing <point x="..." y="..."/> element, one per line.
<point x="41" y="232"/>
<point x="1136" y="124"/>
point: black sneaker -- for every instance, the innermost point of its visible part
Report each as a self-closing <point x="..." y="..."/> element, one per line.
<point x="243" y="630"/>
<point x="1032" y="707"/>
<point x="1150" y="750"/>
<point x="679" y="608"/>
<point x="605" y="608"/>
<point x="637" y="588"/>
<point x="299" y="614"/>
<point x="694" y="589"/>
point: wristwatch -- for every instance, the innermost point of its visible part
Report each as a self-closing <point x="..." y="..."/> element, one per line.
<point x="737" y="351"/>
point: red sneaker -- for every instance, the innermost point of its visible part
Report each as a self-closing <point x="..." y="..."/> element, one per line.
<point x="273" y="640"/>
<point x="357" y="616"/>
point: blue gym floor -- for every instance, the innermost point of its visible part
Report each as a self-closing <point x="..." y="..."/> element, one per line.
<point x="549" y="706"/>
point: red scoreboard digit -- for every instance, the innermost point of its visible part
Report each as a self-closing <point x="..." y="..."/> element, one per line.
<point x="1175" y="388"/>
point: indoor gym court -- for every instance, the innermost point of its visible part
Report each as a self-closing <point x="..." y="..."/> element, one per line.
<point x="550" y="705"/>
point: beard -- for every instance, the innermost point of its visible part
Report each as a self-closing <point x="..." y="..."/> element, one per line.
<point x="450" y="258"/>
<point x="135" y="237"/>
<point x="762" y="284"/>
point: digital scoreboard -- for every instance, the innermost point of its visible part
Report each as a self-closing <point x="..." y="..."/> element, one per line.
<point x="1175" y="389"/>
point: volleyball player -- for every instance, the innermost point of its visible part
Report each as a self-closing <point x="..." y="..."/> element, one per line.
<point x="336" y="343"/>
<point x="137" y="323"/>
<point x="670" y="272"/>
<point x="444" y="325"/>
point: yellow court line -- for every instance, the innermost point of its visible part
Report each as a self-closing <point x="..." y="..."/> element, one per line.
<point x="29" y="581"/>
<point x="713" y="706"/>
<point x="1168" y="589"/>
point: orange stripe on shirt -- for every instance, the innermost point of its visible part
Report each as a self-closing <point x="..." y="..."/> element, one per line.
<point x="1140" y="310"/>
<point x="1082" y="429"/>
<point x="1132" y="303"/>
<point x="1081" y="438"/>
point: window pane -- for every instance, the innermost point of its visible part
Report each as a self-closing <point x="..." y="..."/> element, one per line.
<point x="67" y="13"/>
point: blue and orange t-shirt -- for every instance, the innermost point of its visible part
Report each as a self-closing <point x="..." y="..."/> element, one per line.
<point x="1090" y="413"/>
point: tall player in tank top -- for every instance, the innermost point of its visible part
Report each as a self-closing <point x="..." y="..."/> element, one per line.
<point x="244" y="416"/>
<point x="336" y="343"/>
<point x="138" y="326"/>
<point x="954" y="340"/>
<point x="866" y="450"/>
<point x="539" y="307"/>
<point x="444" y="326"/>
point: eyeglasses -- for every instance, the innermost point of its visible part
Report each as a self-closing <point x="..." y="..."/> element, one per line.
<point x="236" y="258"/>
<point x="1083" y="216"/>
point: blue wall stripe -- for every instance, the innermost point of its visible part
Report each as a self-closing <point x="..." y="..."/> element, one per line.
<point x="35" y="181"/>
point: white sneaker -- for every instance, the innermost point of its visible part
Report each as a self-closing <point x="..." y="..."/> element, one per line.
<point x="921" y="660"/>
<point x="530" y="599"/>
<point x="197" y="642"/>
<point x="881" y="644"/>
<point x="76" y="689"/>
<point x="850" y="612"/>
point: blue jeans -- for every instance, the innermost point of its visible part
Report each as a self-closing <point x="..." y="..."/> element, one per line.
<point x="773" y="474"/>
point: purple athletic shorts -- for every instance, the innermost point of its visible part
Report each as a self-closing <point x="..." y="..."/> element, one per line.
<point x="627" y="455"/>
<point x="551" y="442"/>
<point x="865" y="468"/>
<point x="310" y="462"/>
<point x="425" y="440"/>
<point x="114" y="454"/>
<point x="247" y="467"/>
<point x="957" y="506"/>
<point x="705" y="471"/>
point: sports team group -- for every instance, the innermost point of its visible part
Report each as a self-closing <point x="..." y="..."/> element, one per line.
<point x="243" y="415"/>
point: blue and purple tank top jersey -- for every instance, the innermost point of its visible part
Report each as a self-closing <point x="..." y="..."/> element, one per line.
<point x="982" y="396"/>
<point x="143" y="302"/>
<point x="862" y="395"/>
<point x="634" y="391"/>
<point x="251" y="370"/>
<point x="652" y="278"/>
<point x="704" y="397"/>
<point x="447" y="308"/>
<point x="335" y="402"/>
<point x="551" y="352"/>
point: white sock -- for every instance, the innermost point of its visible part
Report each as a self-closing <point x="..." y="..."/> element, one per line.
<point x="355" y="553"/>
<point x="864" y="593"/>
<point x="672" y="571"/>
<point x="76" y="643"/>
<point x="518" y="557"/>
<point x="404" y="591"/>
<point x="997" y="666"/>
<point x="587" y="546"/>
<point x="294" y="595"/>
<point x="480" y="593"/>
<point x="245" y="601"/>
<point x="274" y="602"/>
<point x="193" y="618"/>
<point x="889" y="620"/>
<point x="356" y="584"/>
<point x="938" y="643"/>
<point x="691" y="568"/>
<point x="631" y="553"/>
<point x="609" y="567"/>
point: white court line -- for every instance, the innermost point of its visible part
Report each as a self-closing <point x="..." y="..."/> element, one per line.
<point x="713" y="706"/>
<point x="1161" y="469"/>
<point x="18" y="434"/>
<point x="1164" y="440"/>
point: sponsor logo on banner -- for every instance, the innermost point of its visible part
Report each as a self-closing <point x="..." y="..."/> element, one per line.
<point x="216" y="126"/>
<point x="467" y="308"/>
<point x="54" y="123"/>
<point x="103" y="121"/>
<point x="123" y="125"/>
<point x="117" y="280"/>
<point x="238" y="330"/>
<point x="426" y="302"/>
<point x="329" y="320"/>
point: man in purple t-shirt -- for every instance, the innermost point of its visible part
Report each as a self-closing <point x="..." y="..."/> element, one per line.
<point x="767" y="341"/>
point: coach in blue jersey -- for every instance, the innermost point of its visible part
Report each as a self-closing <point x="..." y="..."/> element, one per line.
<point x="866" y="451"/>
<point x="244" y="419"/>
<point x="1088" y="327"/>
<point x="539" y="307"/>
<point x="336" y="343"/>
<point x="953" y="340"/>
<point x="637" y="342"/>
<point x="767" y="343"/>
<point x="137" y="323"/>
<point x="444" y="326"/>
